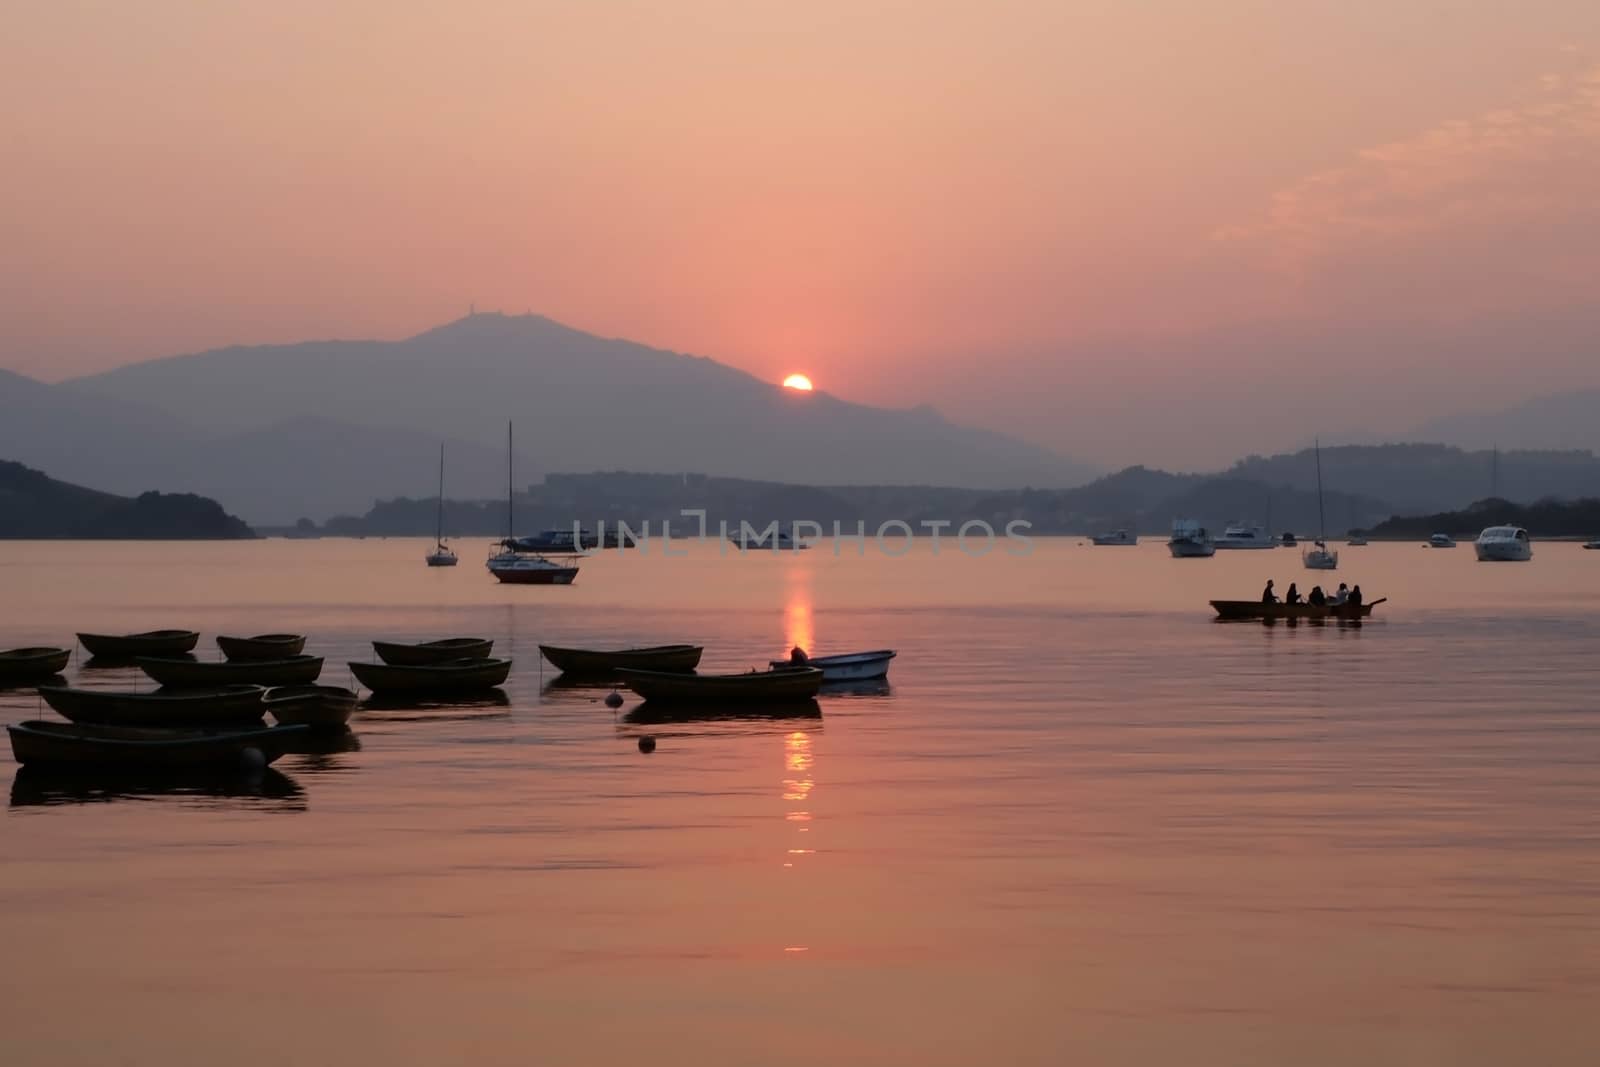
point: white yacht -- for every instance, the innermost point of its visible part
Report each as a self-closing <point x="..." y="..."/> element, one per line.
<point x="1504" y="543"/>
<point x="1190" y="540"/>
<point x="1245" y="535"/>
<point x="1440" y="540"/>
<point x="1116" y="537"/>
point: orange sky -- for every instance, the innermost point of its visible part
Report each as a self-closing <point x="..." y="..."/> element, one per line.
<point x="1023" y="212"/>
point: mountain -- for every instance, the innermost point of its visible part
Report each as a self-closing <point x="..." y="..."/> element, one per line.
<point x="580" y="402"/>
<point x="1548" y="518"/>
<point x="1561" y="421"/>
<point x="34" y="505"/>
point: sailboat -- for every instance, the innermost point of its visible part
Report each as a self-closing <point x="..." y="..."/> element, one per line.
<point x="514" y="566"/>
<point x="1320" y="557"/>
<point x="441" y="556"/>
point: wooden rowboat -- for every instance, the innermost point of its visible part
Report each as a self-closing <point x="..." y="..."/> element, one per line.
<point x="262" y="646"/>
<point x="323" y="707"/>
<point x="397" y="654"/>
<point x="453" y="676"/>
<point x="164" y="707"/>
<point x="196" y="674"/>
<point x="846" y="667"/>
<point x="149" y="643"/>
<point x="1254" y="609"/>
<point x="22" y="664"/>
<point x="671" y="658"/>
<point x="71" y="744"/>
<point x="754" y="688"/>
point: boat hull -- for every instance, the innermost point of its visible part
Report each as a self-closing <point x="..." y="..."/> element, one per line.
<point x="398" y="654"/>
<point x="513" y="574"/>
<point x="262" y="646"/>
<point x="1191" y="549"/>
<point x="26" y="664"/>
<point x="1503" y="552"/>
<point x="321" y="707"/>
<point x="455" y="676"/>
<point x="199" y="674"/>
<point x="847" y="667"/>
<point x="669" y="658"/>
<point x="185" y="707"/>
<point x="73" y="745"/>
<point x="149" y="643"/>
<point x="755" y="688"/>
<point x="1255" y="609"/>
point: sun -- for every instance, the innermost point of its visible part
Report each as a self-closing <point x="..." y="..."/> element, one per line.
<point x="798" y="381"/>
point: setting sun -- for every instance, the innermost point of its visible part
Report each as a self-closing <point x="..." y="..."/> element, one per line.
<point x="797" y="381"/>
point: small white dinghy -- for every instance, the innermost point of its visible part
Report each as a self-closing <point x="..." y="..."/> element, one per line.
<point x="848" y="667"/>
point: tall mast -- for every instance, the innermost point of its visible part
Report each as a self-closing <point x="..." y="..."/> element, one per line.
<point x="1322" y="525"/>
<point x="438" y="535"/>
<point x="511" y="526"/>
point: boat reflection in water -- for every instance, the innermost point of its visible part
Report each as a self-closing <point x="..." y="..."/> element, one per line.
<point x="267" y="790"/>
<point x="863" y="687"/>
<point x="435" y="707"/>
<point x="649" y="713"/>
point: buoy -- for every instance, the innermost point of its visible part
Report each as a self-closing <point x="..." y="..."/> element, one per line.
<point x="251" y="761"/>
<point x="647" y="744"/>
<point x="613" y="699"/>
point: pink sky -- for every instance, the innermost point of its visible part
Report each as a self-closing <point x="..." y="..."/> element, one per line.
<point x="1068" y="220"/>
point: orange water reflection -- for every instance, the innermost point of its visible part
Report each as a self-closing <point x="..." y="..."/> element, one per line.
<point x="797" y="610"/>
<point x="798" y="782"/>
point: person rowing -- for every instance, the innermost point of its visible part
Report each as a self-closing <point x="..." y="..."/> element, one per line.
<point x="1267" y="595"/>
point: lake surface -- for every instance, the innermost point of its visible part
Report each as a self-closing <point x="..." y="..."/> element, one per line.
<point x="1085" y="824"/>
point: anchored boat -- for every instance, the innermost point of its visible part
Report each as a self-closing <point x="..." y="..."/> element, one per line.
<point x="672" y="658"/>
<point x="262" y="646"/>
<point x="164" y="707"/>
<point x="76" y="745"/>
<point x="30" y="664"/>
<point x="399" y="654"/>
<point x="451" y="676"/>
<point x="754" y="687"/>
<point x="149" y="643"/>
<point x="188" y="674"/>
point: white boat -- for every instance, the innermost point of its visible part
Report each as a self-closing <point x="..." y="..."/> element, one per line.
<point x="1441" y="541"/>
<point x="1319" y="557"/>
<point x="441" y="556"/>
<point x="847" y="667"/>
<point x="1356" y="541"/>
<point x="514" y="566"/>
<point x="1509" y="544"/>
<point x="1245" y="535"/>
<point x="1591" y="544"/>
<point x="1190" y="540"/>
<point x="766" y="539"/>
<point x="1116" y="537"/>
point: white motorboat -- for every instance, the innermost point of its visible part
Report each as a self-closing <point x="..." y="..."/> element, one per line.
<point x="1591" y="544"/>
<point x="1190" y="540"/>
<point x="1245" y="535"/>
<point x="1440" y="540"/>
<point x="1116" y="537"/>
<point x="1507" y="544"/>
<point x="1356" y="541"/>
<point x="846" y="667"/>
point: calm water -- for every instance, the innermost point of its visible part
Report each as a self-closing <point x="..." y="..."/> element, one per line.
<point x="1086" y="824"/>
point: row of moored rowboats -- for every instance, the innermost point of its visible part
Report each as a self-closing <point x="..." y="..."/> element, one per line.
<point x="211" y="712"/>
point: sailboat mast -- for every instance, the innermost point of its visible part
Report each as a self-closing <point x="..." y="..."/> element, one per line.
<point x="511" y="526"/>
<point x="1322" y="523"/>
<point x="438" y="534"/>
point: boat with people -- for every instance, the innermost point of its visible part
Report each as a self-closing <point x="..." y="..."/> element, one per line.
<point x="450" y="676"/>
<point x="1115" y="537"/>
<point x="1190" y="540"/>
<point x="776" y="540"/>
<point x="1440" y="540"/>
<point x="321" y="707"/>
<point x="673" y="658"/>
<point x="61" y="744"/>
<point x="1243" y="535"/>
<point x="162" y="707"/>
<point x="843" y="667"/>
<point x="148" y="643"/>
<point x="753" y="687"/>
<point x="442" y="555"/>
<point x="513" y="565"/>
<point x="1258" y="609"/>
<point x="30" y="664"/>
<point x="422" y="653"/>
<point x="1504" y="544"/>
<point x="203" y="674"/>
<point x="261" y="646"/>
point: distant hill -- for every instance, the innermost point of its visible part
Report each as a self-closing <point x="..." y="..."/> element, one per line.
<point x="1546" y="518"/>
<point x="579" y="402"/>
<point x="1562" y="421"/>
<point x="34" y="505"/>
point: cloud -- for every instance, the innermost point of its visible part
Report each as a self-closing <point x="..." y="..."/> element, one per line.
<point x="1501" y="208"/>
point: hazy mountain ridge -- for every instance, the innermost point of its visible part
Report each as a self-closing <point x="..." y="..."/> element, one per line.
<point x="34" y="505"/>
<point x="579" y="402"/>
<point x="1562" y="421"/>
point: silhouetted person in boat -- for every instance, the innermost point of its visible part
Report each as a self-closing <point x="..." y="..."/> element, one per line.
<point x="1354" y="600"/>
<point x="1293" y="596"/>
<point x="797" y="656"/>
<point x="1267" y="595"/>
<point x="1340" y="596"/>
<point x="1317" y="598"/>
